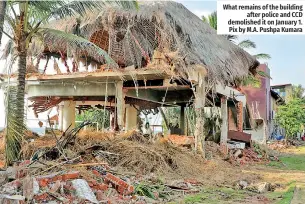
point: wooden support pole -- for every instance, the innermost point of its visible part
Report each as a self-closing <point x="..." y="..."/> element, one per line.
<point x="224" y="125"/>
<point x="199" y="134"/>
<point x="120" y="97"/>
<point x="182" y="119"/>
<point x="240" y="120"/>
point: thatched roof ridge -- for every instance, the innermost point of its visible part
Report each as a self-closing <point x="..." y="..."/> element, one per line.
<point x="170" y="25"/>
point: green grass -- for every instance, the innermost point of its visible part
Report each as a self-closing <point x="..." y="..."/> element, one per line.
<point x="283" y="197"/>
<point x="216" y="195"/>
<point x="295" y="162"/>
<point x="287" y="196"/>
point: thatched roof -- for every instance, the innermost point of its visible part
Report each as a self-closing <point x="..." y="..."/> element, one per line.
<point x="130" y="37"/>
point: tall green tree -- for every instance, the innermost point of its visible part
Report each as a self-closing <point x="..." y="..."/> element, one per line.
<point x="291" y="116"/>
<point x="297" y="91"/>
<point x="26" y="19"/>
<point x="101" y="116"/>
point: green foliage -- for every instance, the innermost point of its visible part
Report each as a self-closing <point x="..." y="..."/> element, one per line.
<point x="95" y="115"/>
<point x="262" y="56"/>
<point x="149" y="190"/>
<point x="291" y="116"/>
<point x="211" y="19"/>
<point x="247" y="44"/>
<point x="251" y="80"/>
<point x="297" y="91"/>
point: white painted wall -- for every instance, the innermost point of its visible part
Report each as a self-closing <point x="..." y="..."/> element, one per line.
<point x="257" y="134"/>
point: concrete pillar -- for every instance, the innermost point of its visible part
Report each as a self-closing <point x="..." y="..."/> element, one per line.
<point x="60" y="117"/>
<point x="224" y="117"/>
<point x="182" y="119"/>
<point x="131" y="118"/>
<point x="120" y="100"/>
<point x="68" y="115"/>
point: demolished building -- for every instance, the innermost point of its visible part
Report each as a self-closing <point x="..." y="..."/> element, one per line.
<point x="161" y="55"/>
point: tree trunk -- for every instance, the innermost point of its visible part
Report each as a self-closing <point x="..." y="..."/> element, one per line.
<point x="2" y="13"/>
<point x="15" y="114"/>
<point x="15" y="109"/>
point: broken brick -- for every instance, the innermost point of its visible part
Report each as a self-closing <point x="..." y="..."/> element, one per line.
<point x="121" y="186"/>
<point x="95" y="172"/>
<point x="70" y="175"/>
<point x="43" y="182"/>
<point x="69" y="188"/>
<point x="101" y="186"/>
<point x="41" y="197"/>
<point x="100" y="195"/>
<point x="21" y="172"/>
<point x="57" y="178"/>
<point x="192" y="181"/>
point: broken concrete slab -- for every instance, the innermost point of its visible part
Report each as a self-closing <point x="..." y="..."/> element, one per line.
<point x="83" y="190"/>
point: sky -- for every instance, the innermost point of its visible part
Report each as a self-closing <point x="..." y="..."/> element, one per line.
<point x="287" y="51"/>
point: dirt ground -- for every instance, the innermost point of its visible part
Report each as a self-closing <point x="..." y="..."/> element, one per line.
<point x="288" y="175"/>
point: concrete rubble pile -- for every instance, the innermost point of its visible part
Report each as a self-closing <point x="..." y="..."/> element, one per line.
<point x="250" y="155"/>
<point x="282" y="144"/>
<point x="52" y="175"/>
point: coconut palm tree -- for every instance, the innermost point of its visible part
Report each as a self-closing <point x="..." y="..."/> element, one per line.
<point x="2" y="13"/>
<point x="245" y="44"/>
<point x="26" y="21"/>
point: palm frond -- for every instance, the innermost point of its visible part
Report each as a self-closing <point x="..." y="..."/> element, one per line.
<point x="263" y="74"/>
<point x="8" y="49"/>
<point x="231" y="38"/>
<point x="247" y="44"/>
<point x="61" y="41"/>
<point x="251" y="81"/>
<point x="205" y="19"/>
<point x="262" y="56"/>
<point x="61" y="9"/>
<point x="211" y="20"/>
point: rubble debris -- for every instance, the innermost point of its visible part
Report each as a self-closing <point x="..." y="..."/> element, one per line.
<point x="261" y="187"/>
<point x="242" y="184"/>
<point x="236" y="145"/>
<point x="106" y="168"/>
<point x="238" y="153"/>
<point x="121" y="186"/>
<point x="83" y="190"/>
<point x="282" y="144"/>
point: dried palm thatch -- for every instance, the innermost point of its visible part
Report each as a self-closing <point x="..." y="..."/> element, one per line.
<point x="131" y="37"/>
<point x="132" y="152"/>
